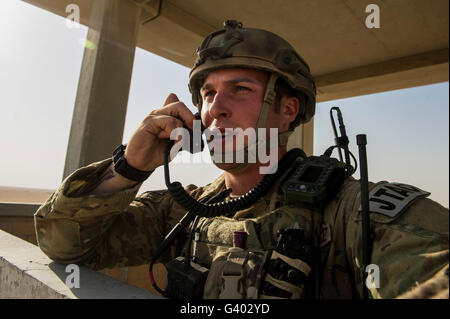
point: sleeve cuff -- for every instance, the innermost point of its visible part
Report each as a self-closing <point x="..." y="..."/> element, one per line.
<point x="73" y="194"/>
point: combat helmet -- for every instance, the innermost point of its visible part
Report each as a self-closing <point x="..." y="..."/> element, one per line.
<point x="235" y="46"/>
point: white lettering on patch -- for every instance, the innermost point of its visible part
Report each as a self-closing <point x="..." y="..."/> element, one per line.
<point x="391" y="199"/>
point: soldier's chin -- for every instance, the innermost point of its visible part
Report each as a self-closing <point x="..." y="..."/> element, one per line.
<point x="231" y="159"/>
<point x="226" y="166"/>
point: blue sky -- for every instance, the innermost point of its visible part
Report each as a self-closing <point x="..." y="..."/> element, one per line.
<point x="40" y="59"/>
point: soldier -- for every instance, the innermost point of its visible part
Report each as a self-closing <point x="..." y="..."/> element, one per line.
<point x="283" y="247"/>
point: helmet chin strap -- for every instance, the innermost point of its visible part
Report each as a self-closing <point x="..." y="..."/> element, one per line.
<point x="269" y="99"/>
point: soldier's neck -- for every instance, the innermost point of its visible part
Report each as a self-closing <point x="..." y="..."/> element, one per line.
<point x="244" y="180"/>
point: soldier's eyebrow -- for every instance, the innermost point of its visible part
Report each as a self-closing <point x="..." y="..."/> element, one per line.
<point x="208" y="86"/>
<point x="239" y="80"/>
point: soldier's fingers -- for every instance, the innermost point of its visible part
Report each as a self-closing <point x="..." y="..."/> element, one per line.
<point x="162" y="126"/>
<point x="171" y="98"/>
<point x="178" y="110"/>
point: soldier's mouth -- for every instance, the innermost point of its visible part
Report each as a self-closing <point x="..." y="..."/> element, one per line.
<point x="220" y="134"/>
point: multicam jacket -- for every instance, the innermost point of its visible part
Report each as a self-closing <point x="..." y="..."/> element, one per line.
<point x="408" y="247"/>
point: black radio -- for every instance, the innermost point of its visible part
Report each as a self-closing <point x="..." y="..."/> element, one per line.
<point x="315" y="180"/>
<point x="185" y="279"/>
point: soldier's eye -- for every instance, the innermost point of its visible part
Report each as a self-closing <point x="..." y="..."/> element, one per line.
<point x="242" y="88"/>
<point x="208" y="93"/>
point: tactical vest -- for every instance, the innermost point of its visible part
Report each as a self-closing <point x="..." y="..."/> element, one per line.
<point x="273" y="262"/>
<point x="281" y="245"/>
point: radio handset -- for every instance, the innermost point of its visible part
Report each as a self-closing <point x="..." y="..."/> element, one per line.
<point x="193" y="143"/>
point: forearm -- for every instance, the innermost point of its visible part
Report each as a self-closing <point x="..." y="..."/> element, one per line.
<point x="112" y="182"/>
<point x="109" y="230"/>
<point x="72" y="222"/>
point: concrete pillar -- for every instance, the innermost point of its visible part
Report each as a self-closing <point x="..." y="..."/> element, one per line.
<point x="103" y="88"/>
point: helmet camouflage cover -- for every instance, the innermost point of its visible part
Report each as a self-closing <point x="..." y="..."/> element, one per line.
<point x="235" y="46"/>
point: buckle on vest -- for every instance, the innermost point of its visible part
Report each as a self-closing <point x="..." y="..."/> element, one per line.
<point x="232" y="287"/>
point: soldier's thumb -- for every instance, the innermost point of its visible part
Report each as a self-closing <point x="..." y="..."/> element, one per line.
<point x="171" y="99"/>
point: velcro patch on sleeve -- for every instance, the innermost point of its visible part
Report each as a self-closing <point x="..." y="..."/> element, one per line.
<point x="391" y="199"/>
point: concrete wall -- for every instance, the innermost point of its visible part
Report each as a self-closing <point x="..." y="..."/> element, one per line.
<point x="27" y="273"/>
<point x="17" y="220"/>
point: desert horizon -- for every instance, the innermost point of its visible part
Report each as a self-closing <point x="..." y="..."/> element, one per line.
<point x="9" y="194"/>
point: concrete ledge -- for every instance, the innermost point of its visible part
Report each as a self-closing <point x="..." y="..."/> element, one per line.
<point x="18" y="209"/>
<point x="27" y="273"/>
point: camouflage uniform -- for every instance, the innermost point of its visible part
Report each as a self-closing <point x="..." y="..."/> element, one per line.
<point x="124" y="230"/>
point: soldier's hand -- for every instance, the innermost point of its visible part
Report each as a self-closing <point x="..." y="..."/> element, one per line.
<point x="145" y="150"/>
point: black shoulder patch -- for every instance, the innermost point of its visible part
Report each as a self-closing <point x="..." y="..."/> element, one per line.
<point x="391" y="199"/>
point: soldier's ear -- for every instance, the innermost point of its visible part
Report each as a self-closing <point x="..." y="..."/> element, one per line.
<point x="289" y="108"/>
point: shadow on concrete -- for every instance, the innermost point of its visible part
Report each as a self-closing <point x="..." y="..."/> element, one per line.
<point x="95" y="285"/>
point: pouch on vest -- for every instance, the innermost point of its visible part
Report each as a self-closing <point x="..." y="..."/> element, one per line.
<point x="236" y="273"/>
<point x="288" y="267"/>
